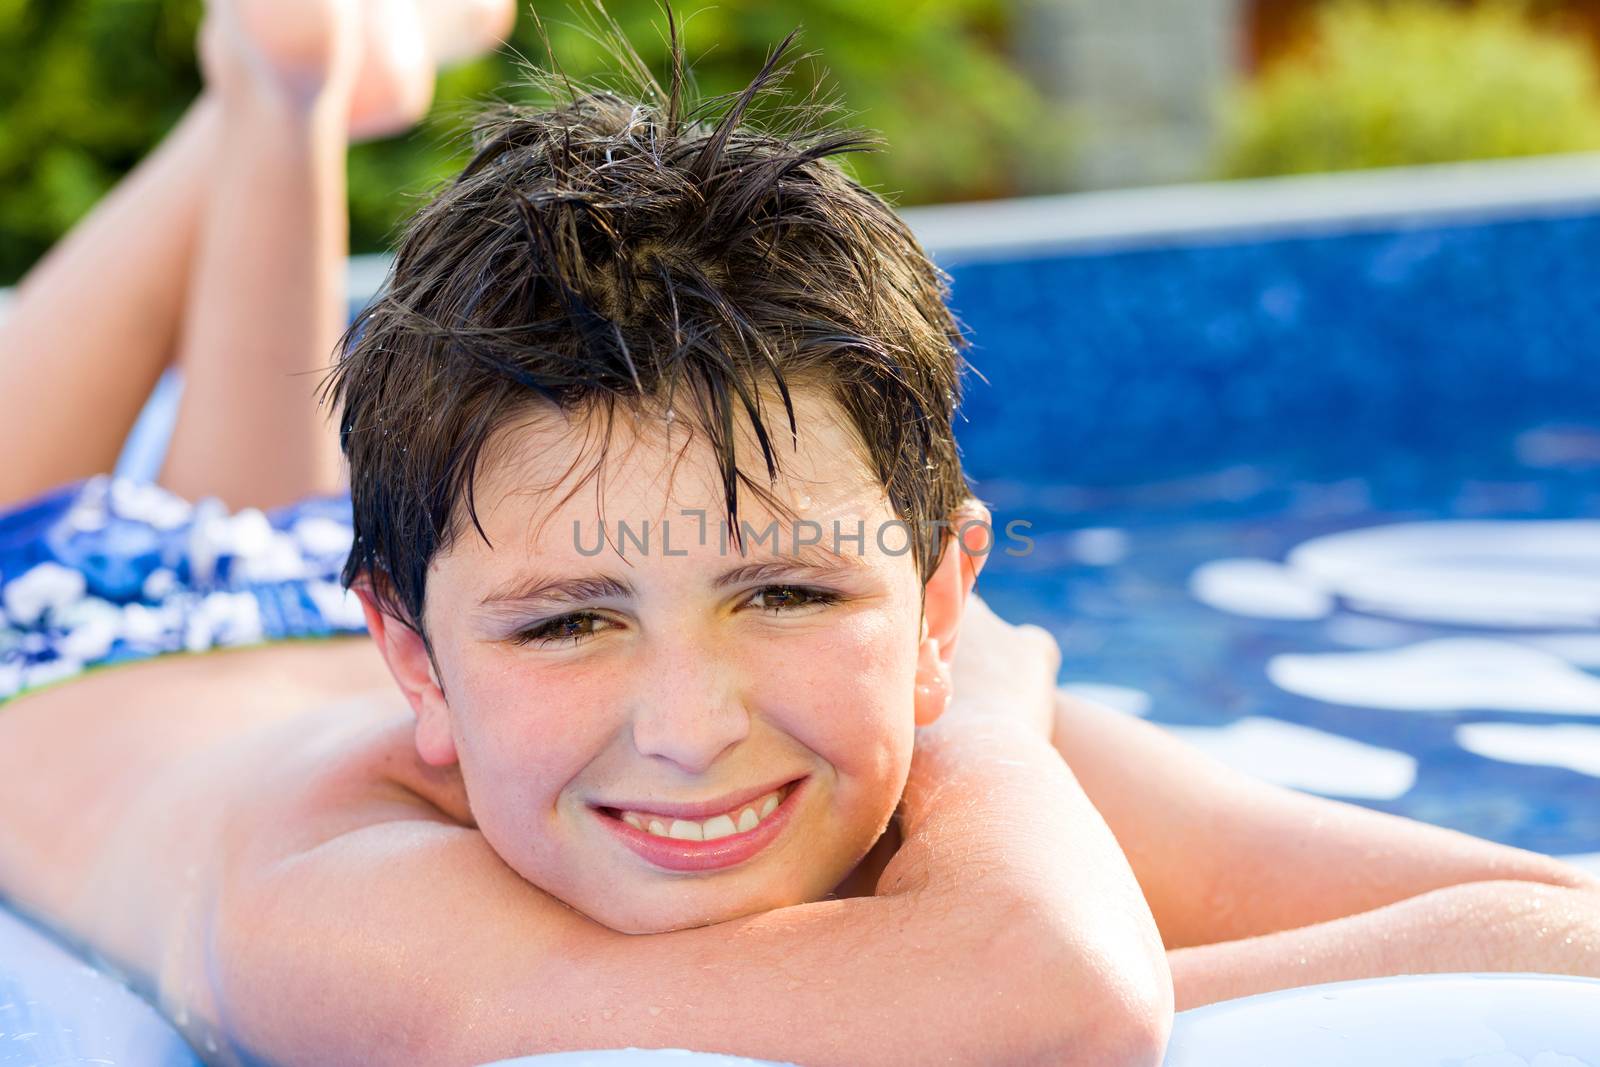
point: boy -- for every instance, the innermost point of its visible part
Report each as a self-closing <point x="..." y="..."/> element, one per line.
<point x="779" y="795"/>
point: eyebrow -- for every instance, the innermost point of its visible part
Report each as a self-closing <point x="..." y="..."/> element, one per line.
<point x="812" y="561"/>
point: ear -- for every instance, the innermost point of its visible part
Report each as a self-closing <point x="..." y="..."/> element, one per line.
<point x="971" y="538"/>
<point x="406" y="653"/>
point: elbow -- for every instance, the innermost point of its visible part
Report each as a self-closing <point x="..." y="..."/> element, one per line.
<point x="1132" y="1026"/>
<point x="1097" y="1005"/>
<point x="1125" y="1024"/>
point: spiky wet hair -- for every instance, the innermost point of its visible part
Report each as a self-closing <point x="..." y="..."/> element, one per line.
<point x="602" y="251"/>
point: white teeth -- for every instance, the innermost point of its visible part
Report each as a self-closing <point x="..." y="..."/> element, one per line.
<point x="719" y="826"/>
<point x="711" y="829"/>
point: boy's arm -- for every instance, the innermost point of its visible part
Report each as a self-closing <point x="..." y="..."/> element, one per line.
<point x="1279" y="875"/>
<point x="1478" y="926"/>
<point x="1006" y="930"/>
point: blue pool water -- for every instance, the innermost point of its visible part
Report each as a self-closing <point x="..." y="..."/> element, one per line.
<point x="1176" y="420"/>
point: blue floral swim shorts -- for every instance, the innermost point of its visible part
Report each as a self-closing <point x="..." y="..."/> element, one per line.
<point x="110" y="570"/>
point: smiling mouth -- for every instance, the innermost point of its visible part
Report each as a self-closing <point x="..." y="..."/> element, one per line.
<point x="735" y="821"/>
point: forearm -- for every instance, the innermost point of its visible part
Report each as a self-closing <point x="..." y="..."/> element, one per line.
<point x="1480" y="926"/>
<point x="999" y="838"/>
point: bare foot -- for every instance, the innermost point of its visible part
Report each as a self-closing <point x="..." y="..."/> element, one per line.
<point x="301" y="49"/>
<point x="394" y="84"/>
<point x="406" y="41"/>
<point x="383" y="53"/>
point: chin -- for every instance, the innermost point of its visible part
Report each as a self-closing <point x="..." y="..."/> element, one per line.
<point x="719" y="904"/>
<point x="666" y="924"/>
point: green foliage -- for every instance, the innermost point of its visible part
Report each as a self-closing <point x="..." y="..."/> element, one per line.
<point x="1415" y="81"/>
<point x="84" y="89"/>
<point x="87" y="86"/>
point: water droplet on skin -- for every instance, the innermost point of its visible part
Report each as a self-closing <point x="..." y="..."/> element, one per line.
<point x="607" y="1013"/>
<point x="655" y="1009"/>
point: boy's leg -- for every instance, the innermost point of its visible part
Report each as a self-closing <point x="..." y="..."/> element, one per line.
<point x="94" y="324"/>
<point x="266" y="290"/>
<point x="266" y="299"/>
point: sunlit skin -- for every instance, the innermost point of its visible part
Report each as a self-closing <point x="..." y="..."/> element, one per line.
<point x="567" y="679"/>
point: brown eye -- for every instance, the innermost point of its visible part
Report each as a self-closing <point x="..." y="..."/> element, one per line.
<point x="567" y="629"/>
<point x="781" y="598"/>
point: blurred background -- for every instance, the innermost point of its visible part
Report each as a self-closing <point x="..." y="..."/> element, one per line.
<point x="978" y="99"/>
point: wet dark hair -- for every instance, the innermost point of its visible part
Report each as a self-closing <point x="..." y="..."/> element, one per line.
<point x="607" y="250"/>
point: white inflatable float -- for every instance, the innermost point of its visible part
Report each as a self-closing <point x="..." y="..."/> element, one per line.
<point x="56" y="1009"/>
<point x="1448" y="1020"/>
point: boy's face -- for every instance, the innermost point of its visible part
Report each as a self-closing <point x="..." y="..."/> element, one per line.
<point x="579" y="683"/>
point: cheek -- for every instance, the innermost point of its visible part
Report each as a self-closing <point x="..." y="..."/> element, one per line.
<point x="529" y="729"/>
<point x="847" y="694"/>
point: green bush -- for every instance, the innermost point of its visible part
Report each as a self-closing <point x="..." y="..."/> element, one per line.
<point x="1392" y="84"/>
<point x="86" y="86"/>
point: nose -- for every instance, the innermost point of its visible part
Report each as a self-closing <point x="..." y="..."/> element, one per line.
<point x="688" y="708"/>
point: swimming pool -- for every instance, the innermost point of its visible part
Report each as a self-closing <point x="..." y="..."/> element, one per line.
<point x="1312" y="468"/>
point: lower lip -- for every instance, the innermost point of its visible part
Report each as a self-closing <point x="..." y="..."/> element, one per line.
<point x="676" y="855"/>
